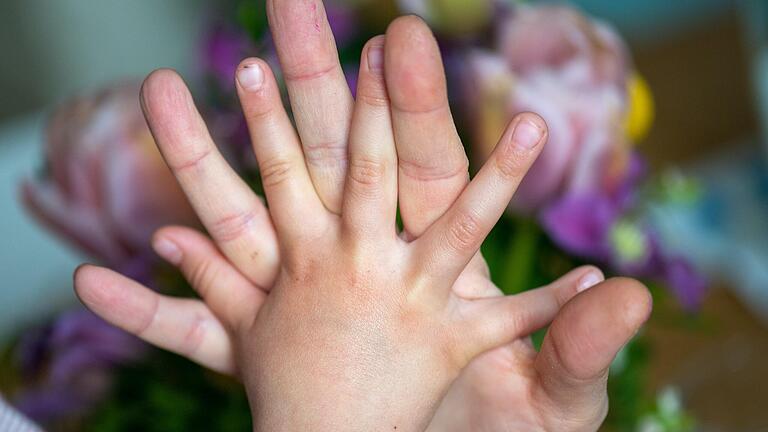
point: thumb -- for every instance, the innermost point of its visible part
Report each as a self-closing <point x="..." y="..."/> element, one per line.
<point x="581" y="344"/>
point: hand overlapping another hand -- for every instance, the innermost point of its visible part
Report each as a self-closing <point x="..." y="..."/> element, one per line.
<point x="333" y="319"/>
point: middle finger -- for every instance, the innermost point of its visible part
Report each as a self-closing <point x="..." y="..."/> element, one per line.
<point x="320" y="97"/>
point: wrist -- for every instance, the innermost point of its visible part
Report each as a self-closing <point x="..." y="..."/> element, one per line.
<point x="344" y="408"/>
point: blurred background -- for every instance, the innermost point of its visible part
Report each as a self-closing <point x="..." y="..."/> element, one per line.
<point x="705" y="63"/>
<point x="53" y="51"/>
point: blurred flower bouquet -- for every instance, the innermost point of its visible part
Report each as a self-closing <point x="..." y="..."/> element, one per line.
<point x="105" y="189"/>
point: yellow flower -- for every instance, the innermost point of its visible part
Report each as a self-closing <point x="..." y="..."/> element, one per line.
<point x="639" y="116"/>
<point x="460" y="16"/>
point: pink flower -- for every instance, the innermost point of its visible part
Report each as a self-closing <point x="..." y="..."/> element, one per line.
<point x="105" y="187"/>
<point x="573" y="72"/>
<point x="559" y="38"/>
<point x="67" y="365"/>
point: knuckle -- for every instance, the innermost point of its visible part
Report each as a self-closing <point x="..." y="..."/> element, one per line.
<point x="306" y="253"/>
<point x="512" y="164"/>
<point x="193" y="338"/>
<point x="275" y="171"/>
<point x="427" y="172"/>
<point x="151" y="316"/>
<point x="301" y="269"/>
<point x="258" y="112"/>
<point x="192" y="159"/>
<point x="373" y="95"/>
<point x="518" y="321"/>
<point x="464" y="231"/>
<point x="367" y="172"/>
<point x="326" y="153"/>
<point x="202" y="276"/>
<point x="309" y="71"/>
<point x="234" y="226"/>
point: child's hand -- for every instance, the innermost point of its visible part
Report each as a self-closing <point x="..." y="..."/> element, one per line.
<point x="432" y="173"/>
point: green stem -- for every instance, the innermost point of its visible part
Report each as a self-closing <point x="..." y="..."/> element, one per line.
<point x="519" y="265"/>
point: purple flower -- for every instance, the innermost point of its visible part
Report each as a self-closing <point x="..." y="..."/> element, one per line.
<point x="688" y="285"/>
<point x="51" y="405"/>
<point x="584" y="187"/>
<point x="586" y="222"/>
<point x="343" y="21"/>
<point x="223" y="49"/>
<point x="626" y="191"/>
<point x="579" y="223"/>
<point x="67" y="366"/>
<point x="81" y="340"/>
<point x="572" y="71"/>
<point x="591" y="226"/>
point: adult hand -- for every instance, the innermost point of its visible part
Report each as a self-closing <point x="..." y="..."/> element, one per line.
<point x="431" y="170"/>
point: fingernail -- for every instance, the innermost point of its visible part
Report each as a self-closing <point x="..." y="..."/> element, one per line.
<point x="168" y="250"/>
<point x="251" y="77"/>
<point x="526" y="135"/>
<point x="376" y="58"/>
<point x="589" y="280"/>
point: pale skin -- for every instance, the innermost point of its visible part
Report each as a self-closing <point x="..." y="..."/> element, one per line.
<point x="333" y="319"/>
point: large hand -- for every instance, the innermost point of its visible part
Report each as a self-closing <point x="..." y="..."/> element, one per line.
<point x="358" y="319"/>
<point x="561" y="388"/>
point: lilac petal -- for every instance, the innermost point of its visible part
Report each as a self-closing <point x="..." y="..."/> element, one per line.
<point x="139" y="268"/>
<point x="85" y="328"/>
<point x="32" y="350"/>
<point x="223" y="49"/>
<point x="72" y="360"/>
<point x="48" y="404"/>
<point x="636" y="172"/>
<point x="343" y="23"/>
<point x="53" y="402"/>
<point x="67" y="366"/>
<point x="688" y="285"/>
<point x="579" y="223"/>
